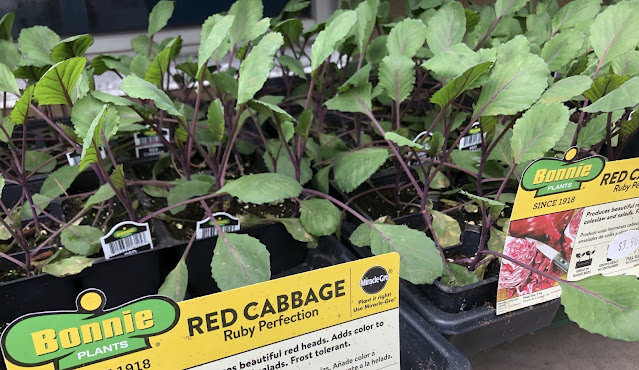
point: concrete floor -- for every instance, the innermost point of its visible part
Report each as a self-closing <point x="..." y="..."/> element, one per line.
<point x="564" y="347"/>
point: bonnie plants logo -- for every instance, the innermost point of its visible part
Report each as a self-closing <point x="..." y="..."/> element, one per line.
<point x="549" y="176"/>
<point x="374" y="280"/>
<point x="71" y="339"/>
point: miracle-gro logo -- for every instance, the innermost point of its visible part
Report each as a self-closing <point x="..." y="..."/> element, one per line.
<point x="551" y="175"/>
<point x="71" y="339"/>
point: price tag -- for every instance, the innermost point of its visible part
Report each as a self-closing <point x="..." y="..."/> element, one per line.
<point x="586" y="210"/>
<point x="148" y="143"/>
<point x="472" y="140"/>
<point x="75" y="158"/>
<point x="623" y="245"/>
<point x="206" y="229"/>
<point x="127" y="237"/>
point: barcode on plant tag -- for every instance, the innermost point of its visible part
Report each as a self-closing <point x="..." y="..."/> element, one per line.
<point x="148" y="142"/>
<point x="226" y="222"/>
<point x="74" y="158"/>
<point x="472" y="140"/>
<point x="125" y="238"/>
<point x="467" y="141"/>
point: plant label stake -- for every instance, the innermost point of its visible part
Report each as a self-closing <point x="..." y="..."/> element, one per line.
<point x="472" y="140"/>
<point x="127" y="237"/>
<point x="206" y="229"/>
<point x="572" y="218"/>
<point x="422" y="139"/>
<point x="148" y="144"/>
<point x="343" y="316"/>
<point x="75" y="158"/>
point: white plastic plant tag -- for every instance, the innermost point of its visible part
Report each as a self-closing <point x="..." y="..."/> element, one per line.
<point x="472" y="140"/>
<point x="127" y="237"/>
<point x="423" y="139"/>
<point x="148" y="142"/>
<point x="74" y="158"/>
<point x="227" y="222"/>
<point x="623" y="245"/>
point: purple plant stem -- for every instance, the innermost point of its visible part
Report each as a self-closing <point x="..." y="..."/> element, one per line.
<point x="121" y="195"/>
<point x="583" y="113"/>
<point x="229" y="145"/>
<point x="97" y="215"/>
<point x="163" y="184"/>
<point x="22" y="173"/>
<point x="160" y="134"/>
<point x="310" y="89"/>
<point x="15" y="261"/>
<point x="16" y="235"/>
<point x="189" y="143"/>
<point x="461" y="205"/>
<point x="487" y="221"/>
<point x="57" y="232"/>
<point x="66" y="137"/>
<point x="188" y="247"/>
<point x="344" y="206"/>
<point x="43" y="164"/>
<point x="422" y="75"/>
<point x="212" y="164"/>
<point x="52" y="217"/>
<point x="291" y="156"/>
<point x="490" y="30"/>
<point x="351" y="211"/>
<point x="207" y="210"/>
<point x="319" y="99"/>
<point x="429" y="224"/>
<point x="369" y="191"/>
<point x="623" y="144"/>
<point x="179" y="204"/>
<point x="609" y="136"/>
<point x="264" y="141"/>
<point x="60" y="132"/>
<point x="358" y="130"/>
<point x="150" y="47"/>
<point x="393" y="148"/>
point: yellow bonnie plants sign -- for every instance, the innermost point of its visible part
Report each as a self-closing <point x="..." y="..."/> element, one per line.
<point x="572" y="219"/>
<point x="344" y="316"/>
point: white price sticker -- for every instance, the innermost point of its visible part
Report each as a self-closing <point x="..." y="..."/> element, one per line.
<point x="623" y="245"/>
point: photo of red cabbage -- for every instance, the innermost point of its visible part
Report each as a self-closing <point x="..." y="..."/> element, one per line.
<point x="557" y="230"/>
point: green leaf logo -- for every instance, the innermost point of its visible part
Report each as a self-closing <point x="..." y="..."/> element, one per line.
<point x="551" y="176"/>
<point x="72" y="339"/>
<point x="124" y="233"/>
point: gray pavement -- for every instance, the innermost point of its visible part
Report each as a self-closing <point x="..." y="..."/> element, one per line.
<point x="565" y="347"/>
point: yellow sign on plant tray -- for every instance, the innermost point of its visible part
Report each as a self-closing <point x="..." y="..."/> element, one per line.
<point x="571" y="219"/>
<point x="344" y="316"/>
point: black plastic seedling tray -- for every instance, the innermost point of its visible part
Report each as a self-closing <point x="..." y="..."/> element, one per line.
<point x="466" y="315"/>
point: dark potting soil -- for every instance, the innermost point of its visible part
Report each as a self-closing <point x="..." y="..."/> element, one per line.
<point x="33" y="237"/>
<point x="182" y="225"/>
<point x="107" y="218"/>
<point x="383" y="203"/>
<point x="10" y="275"/>
<point x="250" y="165"/>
